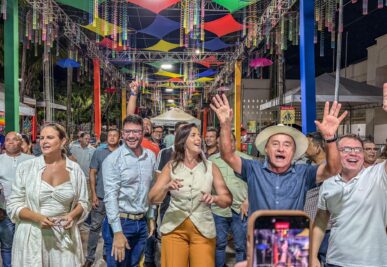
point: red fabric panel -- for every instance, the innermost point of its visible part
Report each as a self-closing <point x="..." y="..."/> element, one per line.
<point x="154" y="6"/>
<point x="223" y="26"/>
<point x="97" y="99"/>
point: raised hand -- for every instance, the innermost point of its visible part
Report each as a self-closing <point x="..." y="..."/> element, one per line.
<point x="331" y="120"/>
<point x="222" y="108"/>
<point x="134" y="87"/>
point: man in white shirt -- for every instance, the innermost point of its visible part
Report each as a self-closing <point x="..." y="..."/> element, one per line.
<point x="356" y="201"/>
<point x="8" y="163"/>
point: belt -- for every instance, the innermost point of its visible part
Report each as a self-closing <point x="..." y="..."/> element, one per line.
<point x="134" y="217"/>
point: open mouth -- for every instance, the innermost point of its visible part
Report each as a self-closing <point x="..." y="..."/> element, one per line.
<point x="352" y="161"/>
<point x="280" y="157"/>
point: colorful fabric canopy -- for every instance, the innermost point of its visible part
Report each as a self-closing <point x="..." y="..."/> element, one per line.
<point x="215" y="44"/>
<point x="162" y="46"/>
<point x="208" y="61"/>
<point x="99" y="27"/>
<point x="154" y="6"/>
<point x="109" y="43"/>
<point x="175" y="80"/>
<point x="204" y="79"/>
<point x="223" y="26"/>
<point x="160" y="27"/>
<point x="68" y="63"/>
<point x="234" y="5"/>
<point x="207" y="73"/>
<point x="168" y="74"/>
<point x="83" y="5"/>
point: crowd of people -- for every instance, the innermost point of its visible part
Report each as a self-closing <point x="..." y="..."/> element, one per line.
<point x="148" y="193"/>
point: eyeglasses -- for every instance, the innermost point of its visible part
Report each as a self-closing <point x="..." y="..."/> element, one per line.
<point x="128" y="131"/>
<point x="371" y="149"/>
<point x="348" y="149"/>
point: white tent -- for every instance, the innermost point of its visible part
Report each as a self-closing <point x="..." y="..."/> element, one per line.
<point x="172" y="116"/>
<point x="349" y="92"/>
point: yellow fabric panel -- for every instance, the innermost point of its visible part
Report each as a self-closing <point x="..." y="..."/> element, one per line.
<point x="99" y="27"/>
<point x="163" y="46"/>
<point x="204" y="79"/>
<point x="168" y="74"/>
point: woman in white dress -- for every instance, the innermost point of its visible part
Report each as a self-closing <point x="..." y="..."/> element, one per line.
<point x="49" y="198"/>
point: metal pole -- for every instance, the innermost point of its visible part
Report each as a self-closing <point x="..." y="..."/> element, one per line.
<point x="11" y="69"/>
<point x="307" y="64"/>
<point x="338" y="56"/>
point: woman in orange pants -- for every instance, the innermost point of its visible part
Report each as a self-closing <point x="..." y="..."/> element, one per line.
<point x="188" y="228"/>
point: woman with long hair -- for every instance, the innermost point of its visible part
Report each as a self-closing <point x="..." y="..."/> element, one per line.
<point x="188" y="228"/>
<point x="49" y="198"/>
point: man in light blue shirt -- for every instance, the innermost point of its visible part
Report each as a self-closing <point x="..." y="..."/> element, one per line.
<point x="8" y="164"/>
<point x="127" y="176"/>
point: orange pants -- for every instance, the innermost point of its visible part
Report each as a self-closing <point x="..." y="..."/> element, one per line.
<point x="186" y="246"/>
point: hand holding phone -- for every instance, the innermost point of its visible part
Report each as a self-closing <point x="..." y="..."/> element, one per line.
<point x="278" y="238"/>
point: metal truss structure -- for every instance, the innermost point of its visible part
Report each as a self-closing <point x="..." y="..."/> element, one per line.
<point x="270" y="16"/>
<point x="209" y="7"/>
<point x="171" y="57"/>
<point x="75" y="35"/>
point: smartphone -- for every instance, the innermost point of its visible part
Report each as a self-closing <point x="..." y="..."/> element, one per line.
<point x="279" y="239"/>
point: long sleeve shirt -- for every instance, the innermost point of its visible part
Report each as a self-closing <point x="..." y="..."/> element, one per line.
<point x="127" y="180"/>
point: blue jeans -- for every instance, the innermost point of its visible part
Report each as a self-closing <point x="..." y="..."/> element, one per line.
<point x="7" y="230"/>
<point x="322" y="252"/>
<point x="238" y="228"/>
<point x="136" y="232"/>
<point x="150" y="249"/>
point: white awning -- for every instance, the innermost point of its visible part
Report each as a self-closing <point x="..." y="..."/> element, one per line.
<point x="24" y="109"/>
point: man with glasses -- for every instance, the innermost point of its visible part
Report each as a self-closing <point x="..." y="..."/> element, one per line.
<point x="147" y="141"/>
<point x="370" y="153"/>
<point x="356" y="201"/>
<point x="157" y="136"/>
<point x="127" y="175"/>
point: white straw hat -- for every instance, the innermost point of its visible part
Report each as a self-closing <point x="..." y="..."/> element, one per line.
<point x="299" y="138"/>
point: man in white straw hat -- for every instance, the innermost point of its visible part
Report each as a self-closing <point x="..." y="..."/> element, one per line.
<point x="276" y="183"/>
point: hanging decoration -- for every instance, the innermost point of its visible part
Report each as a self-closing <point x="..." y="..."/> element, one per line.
<point x="192" y="23"/>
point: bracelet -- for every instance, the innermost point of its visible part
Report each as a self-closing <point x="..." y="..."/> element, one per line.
<point x="133" y="94"/>
<point x="334" y="139"/>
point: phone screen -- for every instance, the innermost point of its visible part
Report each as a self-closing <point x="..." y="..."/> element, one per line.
<point x="281" y="241"/>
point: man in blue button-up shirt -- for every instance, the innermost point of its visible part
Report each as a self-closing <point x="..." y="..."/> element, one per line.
<point x="127" y="176"/>
<point x="276" y="183"/>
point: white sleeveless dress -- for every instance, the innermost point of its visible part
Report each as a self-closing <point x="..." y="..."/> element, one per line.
<point x="57" y="247"/>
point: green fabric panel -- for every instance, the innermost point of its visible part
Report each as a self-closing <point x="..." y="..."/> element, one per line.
<point x="234" y="5"/>
<point x="83" y="4"/>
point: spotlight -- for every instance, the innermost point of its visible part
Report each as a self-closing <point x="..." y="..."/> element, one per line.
<point x="166" y="66"/>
